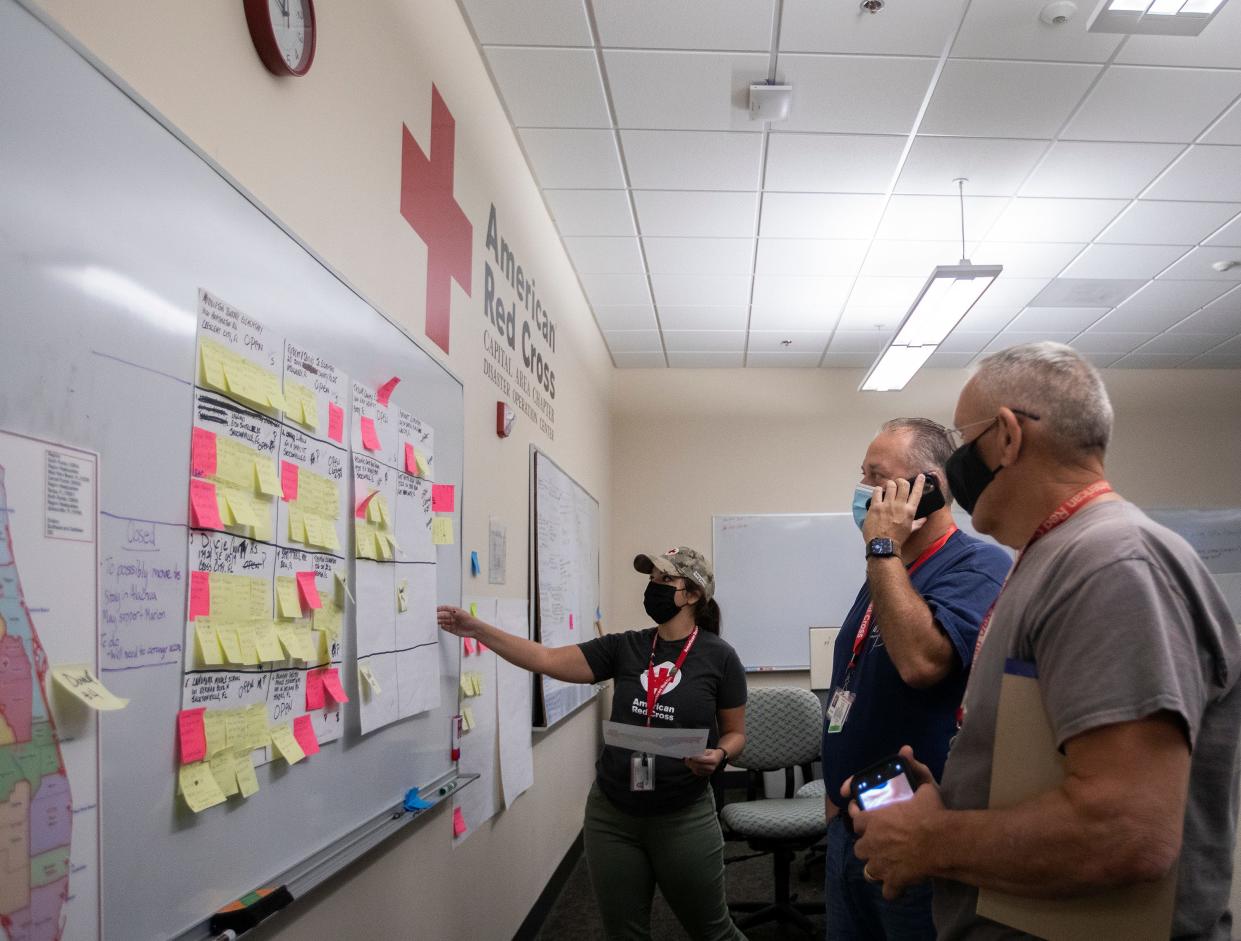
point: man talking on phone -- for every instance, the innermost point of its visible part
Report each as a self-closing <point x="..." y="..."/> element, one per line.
<point x="902" y="655"/>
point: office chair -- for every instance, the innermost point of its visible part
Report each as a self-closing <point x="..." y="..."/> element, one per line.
<point x="784" y="727"/>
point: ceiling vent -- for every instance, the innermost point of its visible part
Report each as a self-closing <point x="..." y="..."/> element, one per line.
<point x="1155" y="17"/>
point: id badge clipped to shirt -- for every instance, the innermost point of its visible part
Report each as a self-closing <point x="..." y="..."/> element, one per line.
<point x="641" y="772"/>
<point x="838" y="709"/>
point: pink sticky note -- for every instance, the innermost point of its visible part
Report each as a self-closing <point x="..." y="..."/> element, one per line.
<point x="570" y="622"/>
<point x="384" y="392"/>
<point x="360" y="513"/>
<point x="314" y="690"/>
<point x="331" y="683"/>
<point x="335" y="422"/>
<point x="202" y="453"/>
<point x="411" y="459"/>
<point x="192" y="734"/>
<point x="308" y="590"/>
<point x="200" y="594"/>
<point x="304" y="732"/>
<point x="443" y="498"/>
<point x="288" y="481"/>
<point x="370" y="439"/>
<point x="458" y="822"/>
<point x="204" y="510"/>
<point x="467" y="644"/>
<point x="482" y="648"/>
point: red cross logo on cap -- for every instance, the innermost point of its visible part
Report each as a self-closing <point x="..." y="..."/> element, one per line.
<point x="427" y="203"/>
<point x="672" y="551"/>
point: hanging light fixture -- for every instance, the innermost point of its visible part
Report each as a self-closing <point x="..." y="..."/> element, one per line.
<point x="947" y="296"/>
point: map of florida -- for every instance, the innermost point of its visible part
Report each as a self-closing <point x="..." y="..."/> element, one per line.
<point x="35" y="808"/>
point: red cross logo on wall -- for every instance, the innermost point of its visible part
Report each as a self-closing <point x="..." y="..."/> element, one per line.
<point x="428" y="206"/>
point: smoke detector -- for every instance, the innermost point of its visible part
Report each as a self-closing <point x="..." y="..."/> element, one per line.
<point x="770" y="102"/>
<point x="1222" y="266"/>
<point x="872" y="6"/>
<point x="1058" y="13"/>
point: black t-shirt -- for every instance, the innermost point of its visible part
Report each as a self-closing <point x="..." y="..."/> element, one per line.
<point x="711" y="679"/>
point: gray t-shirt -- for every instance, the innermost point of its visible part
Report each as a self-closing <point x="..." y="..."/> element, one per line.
<point x="1121" y="620"/>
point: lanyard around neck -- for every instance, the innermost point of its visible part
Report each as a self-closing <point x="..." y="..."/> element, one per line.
<point x="655" y="686"/>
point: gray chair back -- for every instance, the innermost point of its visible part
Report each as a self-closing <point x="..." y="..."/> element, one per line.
<point x="783" y="728"/>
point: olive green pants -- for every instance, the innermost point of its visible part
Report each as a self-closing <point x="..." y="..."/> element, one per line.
<point x="682" y="852"/>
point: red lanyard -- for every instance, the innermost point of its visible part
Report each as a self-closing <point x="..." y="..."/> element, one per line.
<point x="860" y="640"/>
<point x="655" y="687"/>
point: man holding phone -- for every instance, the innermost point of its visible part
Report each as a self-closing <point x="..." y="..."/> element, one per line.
<point x="902" y="655"/>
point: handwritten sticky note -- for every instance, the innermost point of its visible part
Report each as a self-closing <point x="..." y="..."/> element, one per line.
<point x="314" y="690"/>
<point x="265" y="471"/>
<point x="475" y="568"/>
<point x="458" y="823"/>
<point x="249" y="646"/>
<point x="257" y="734"/>
<point x="199" y="787"/>
<point x="230" y="642"/>
<point x="77" y="679"/>
<point x="209" y="652"/>
<point x="370" y="438"/>
<point x="202" y="453"/>
<point x="441" y="531"/>
<point x="307" y="590"/>
<point x="443" y="498"/>
<point x="247" y="782"/>
<point x="204" y="509"/>
<point x="467" y="646"/>
<point x="215" y="730"/>
<point x="286" y="745"/>
<point x="401" y="604"/>
<point x="331" y="683"/>
<point x="287" y="597"/>
<point x="288" y="481"/>
<point x="424" y="469"/>
<point x="266" y="642"/>
<point x="335" y="422"/>
<point x="304" y="732"/>
<point x="411" y="459"/>
<point x="200" y="594"/>
<point x="223" y="766"/>
<point x="191" y="735"/>
<point x="384" y="392"/>
<point x="368" y="675"/>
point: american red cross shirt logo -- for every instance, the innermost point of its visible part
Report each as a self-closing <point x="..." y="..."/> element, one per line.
<point x="661" y="671"/>
<point x="428" y="205"/>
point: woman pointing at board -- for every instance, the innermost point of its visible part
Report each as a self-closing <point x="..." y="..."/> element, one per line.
<point x="650" y="820"/>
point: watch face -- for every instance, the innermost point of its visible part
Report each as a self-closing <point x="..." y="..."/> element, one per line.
<point x="293" y="24"/>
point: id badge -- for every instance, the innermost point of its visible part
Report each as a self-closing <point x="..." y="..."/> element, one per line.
<point x="838" y="710"/>
<point x="641" y="772"/>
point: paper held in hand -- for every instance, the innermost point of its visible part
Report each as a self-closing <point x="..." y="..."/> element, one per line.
<point x="674" y="743"/>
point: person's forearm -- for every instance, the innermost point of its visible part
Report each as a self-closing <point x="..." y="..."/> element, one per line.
<point x="732" y="743"/>
<point x="920" y="651"/>
<point x="519" y="651"/>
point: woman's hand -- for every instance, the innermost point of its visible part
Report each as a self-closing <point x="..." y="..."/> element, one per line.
<point x="458" y="621"/>
<point x="704" y="765"/>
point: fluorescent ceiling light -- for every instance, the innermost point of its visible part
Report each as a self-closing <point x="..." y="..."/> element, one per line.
<point x="947" y="296"/>
<point x="1154" y="17"/>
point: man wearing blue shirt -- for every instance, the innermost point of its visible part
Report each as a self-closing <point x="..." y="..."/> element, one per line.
<point x="902" y="656"/>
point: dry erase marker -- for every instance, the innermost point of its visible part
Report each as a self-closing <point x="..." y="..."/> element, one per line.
<point x="448" y="788"/>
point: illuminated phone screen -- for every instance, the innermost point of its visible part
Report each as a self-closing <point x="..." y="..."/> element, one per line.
<point x="892" y="791"/>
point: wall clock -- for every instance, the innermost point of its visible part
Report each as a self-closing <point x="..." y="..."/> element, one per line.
<point x="283" y="32"/>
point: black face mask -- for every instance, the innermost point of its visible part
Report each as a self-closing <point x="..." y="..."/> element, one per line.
<point x="968" y="475"/>
<point x="659" y="602"/>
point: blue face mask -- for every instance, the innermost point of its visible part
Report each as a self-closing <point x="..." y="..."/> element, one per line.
<point x="861" y="496"/>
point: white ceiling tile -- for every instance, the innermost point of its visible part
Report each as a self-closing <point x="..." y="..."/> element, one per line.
<point x="605" y="255"/>
<point x="826" y="257"/>
<point x="703" y="318"/>
<point x="1027" y="259"/>
<point x="938" y="218"/>
<point x="886" y="292"/>
<point x="1227" y="348"/>
<point x="847" y="360"/>
<point x="1216" y="47"/>
<point x="1123" y="261"/>
<point x="921" y="27"/>
<point x="634" y="341"/>
<point x="1180" y="344"/>
<point x="1096" y="169"/>
<point x="701" y="290"/>
<point x="993" y="167"/>
<point x="688" y="91"/>
<point x="1054" y="220"/>
<point x="685" y="24"/>
<point x="1207" y="172"/>
<point x="530" y="22"/>
<point x="641" y="317"/>
<point x="1138" y="321"/>
<point x="1228" y="130"/>
<point x="1182" y="296"/>
<point x="1228" y="235"/>
<point x="692" y="160"/>
<point x="1196" y="266"/>
<point x="909" y="259"/>
<point x="1005" y="99"/>
<point x="775" y="317"/>
<point x="782" y="360"/>
<point x="573" y="159"/>
<point x="1153" y="222"/>
<point x="941" y="360"/>
<point x="1057" y="319"/>
<point x="639" y="360"/>
<point x="1144" y="104"/>
<point x="1102" y="360"/>
<point x="1011" y="293"/>
<point x="988" y="320"/>
<point x="1142" y="360"/>
<point x="710" y="341"/>
<point x="961" y="342"/>
<point x="698" y="255"/>
<point x="696" y="214"/>
<point x="591" y="212"/>
<point x="854" y="94"/>
<point x="1015" y="338"/>
<point x="616" y="290"/>
<point x="524" y="75"/>
<point x="802" y="341"/>
<point x="818" y="215"/>
<point x="859" y="341"/>
<point x="1087" y="292"/>
<point x="1011" y="29"/>
<point x="832" y="163"/>
<point x="871" y="318"/>
<point x="1102" y="341"/>
<point x="1220" y="316"/>
<point x="789" y="291"/>
<point x="706" y="360"/>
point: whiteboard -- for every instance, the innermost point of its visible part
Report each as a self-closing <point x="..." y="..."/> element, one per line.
<point x="565" y="574"/>
<point x="1216" y="536"/>
<point x="109" y="225"/>
<point x="778" y="575"/>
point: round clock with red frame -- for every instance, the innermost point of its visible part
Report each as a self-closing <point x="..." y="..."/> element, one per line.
<point x="283" y="32"/>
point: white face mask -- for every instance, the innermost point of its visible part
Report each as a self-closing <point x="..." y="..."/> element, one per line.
<point x="861" y="497"/>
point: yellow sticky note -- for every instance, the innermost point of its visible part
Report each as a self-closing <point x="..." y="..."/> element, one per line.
<point x="467" y="685"/>
<point x="267" y="643"/>
<point x="288" y="639"/>
<point x="286" y="744"/>
<point x="215" y="725"/>
<point x="226" y="512"/>
<point x="330" y="539"/>
<point x="211" y="373"/>
<point x="78" y="680"/>
<point x="290" y="605"/>
<point x="257" y="734"/>
<point x="247" y="782"/>
<point x="230" y="643"/>
<point x="275" y="398"/>
<point x="209" y="652"/>
<point x="478" y="684"/>
<point x="265" y="473"/>
<point x="238" y="732"/>
<point x="368" y="675"/>
<point x="372" y="509"/>
<point x="467" y="715"/>
<point x="441" y="531"/>
<point x="381" y="543"/>
<point x="224" y="769"/>
<point x="421" y="463"/>
<point x="300" y="404"/>
<point x="297" y="523"/>
<point x="262" y="521"/>
<point x="249" y="648"/>
<point x="364" y="540"/>
<point x="474" y="609"/>
<point x="381" y="505"/>
<point x="305" y="648"/>
<point x="314" y="535"/>
<point x="327" y="616"/>
<point x="199" y="787"/>
<point x="401" y="604"/>
<point x="239" y="507"/>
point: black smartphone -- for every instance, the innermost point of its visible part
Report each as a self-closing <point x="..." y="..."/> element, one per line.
<point x="932" y="496"/>
<point x="884" y="782"/>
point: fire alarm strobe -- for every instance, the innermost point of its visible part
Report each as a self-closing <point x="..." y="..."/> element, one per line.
<point x="504" y="419"/>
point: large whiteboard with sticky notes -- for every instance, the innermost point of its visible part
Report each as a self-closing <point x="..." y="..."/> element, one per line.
<point x="117" y="240"/>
